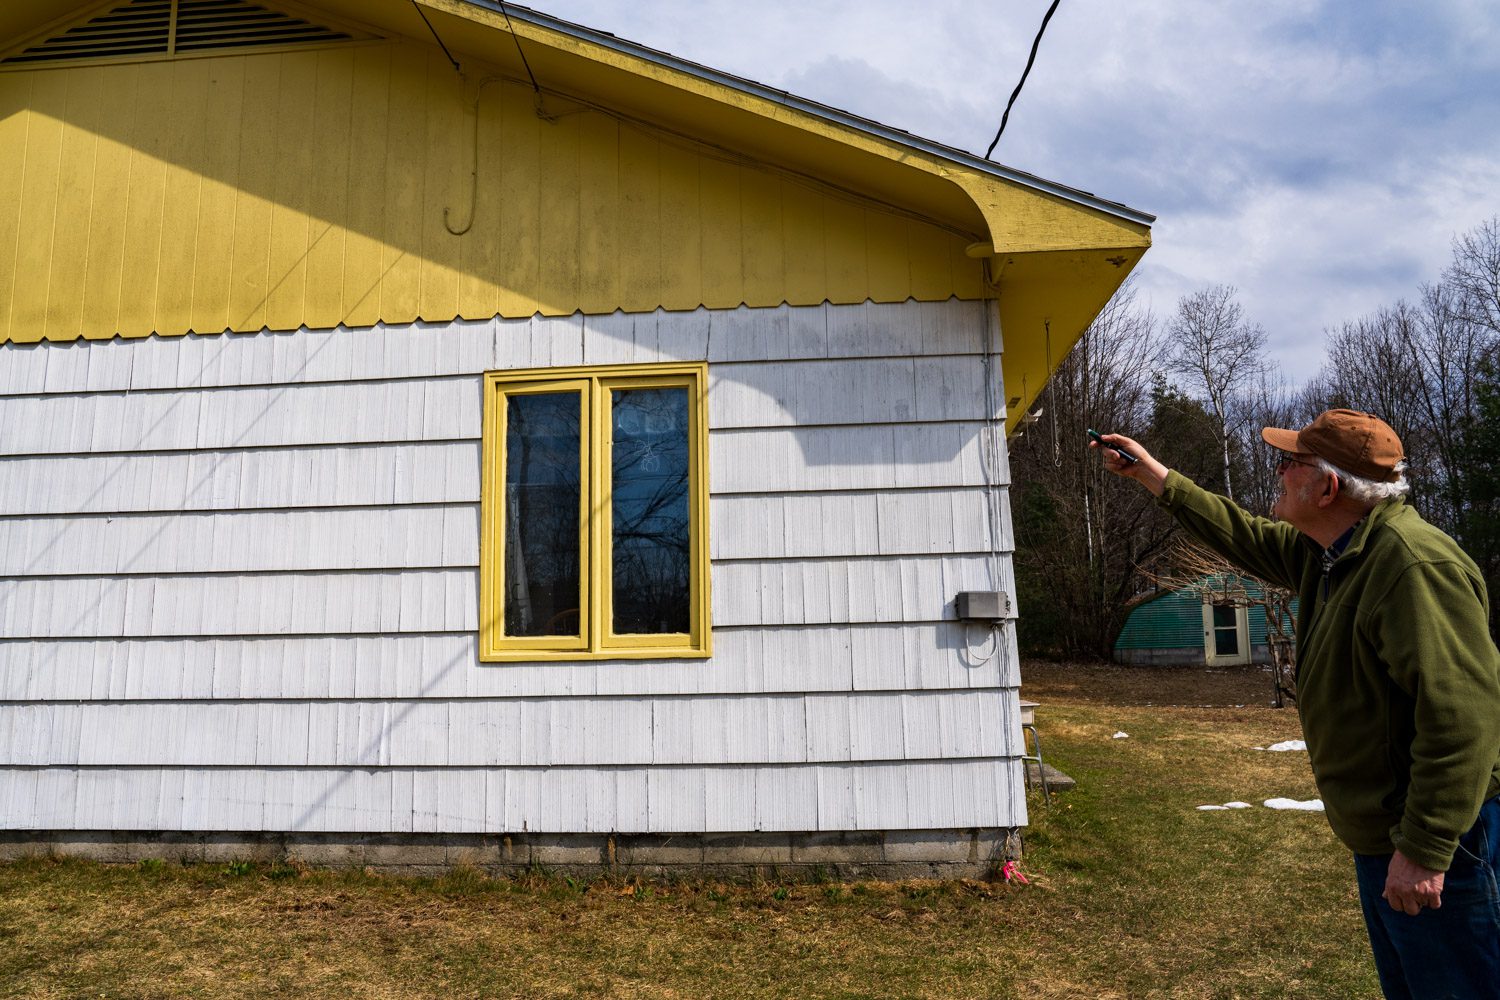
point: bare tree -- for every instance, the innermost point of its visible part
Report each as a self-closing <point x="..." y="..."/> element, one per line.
<point x="1450" y="351"/>
<point x="1474" y="274"/>
<point x="1200" y="571"/>
<point x="1374" y="364"/>
<point x="1218" y="354"/>
<point x="1269" y="402"/>
<point x="1371" y="364"/>
<point x="1080" y="530"/>
<point x="1418" y="365"/>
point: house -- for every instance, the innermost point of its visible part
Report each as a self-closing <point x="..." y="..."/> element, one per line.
<point x="436" y="431"/>
<point x="1214" y="622"/>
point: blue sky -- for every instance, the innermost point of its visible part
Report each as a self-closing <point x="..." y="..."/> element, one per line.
<point x="1319" y="156"/>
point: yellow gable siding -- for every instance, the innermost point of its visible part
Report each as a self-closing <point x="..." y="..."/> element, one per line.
<point x="294" y="188"/>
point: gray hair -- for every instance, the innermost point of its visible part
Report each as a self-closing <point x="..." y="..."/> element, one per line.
<point x="1366" y="491"/>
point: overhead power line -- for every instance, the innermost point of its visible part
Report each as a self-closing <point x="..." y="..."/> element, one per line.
<point x="1017" y="92"/>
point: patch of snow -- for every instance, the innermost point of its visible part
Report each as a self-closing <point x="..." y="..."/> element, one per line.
<point x="1211" y="808"/>
<point x="1311" y="805"/>
<point x="1236" y="805"/>
<point x="1120" y="736"/>
<point x="1288" y="745"/>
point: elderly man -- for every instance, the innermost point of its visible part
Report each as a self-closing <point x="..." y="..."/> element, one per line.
<point x="1398" y="687"/>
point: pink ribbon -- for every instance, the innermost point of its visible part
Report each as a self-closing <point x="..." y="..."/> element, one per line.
<point x="1011" y="872"/>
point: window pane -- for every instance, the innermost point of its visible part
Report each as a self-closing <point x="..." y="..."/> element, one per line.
<point x="652" y="555"/>
<point x="1226" y="630"/>
<point x="541" y="513"/>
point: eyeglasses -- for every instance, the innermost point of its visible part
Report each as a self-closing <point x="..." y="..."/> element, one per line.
<point x="1285" y="461"/>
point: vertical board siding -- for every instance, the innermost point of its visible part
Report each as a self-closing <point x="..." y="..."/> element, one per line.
<point x="297" y="188"/>
<point x="237" y="578"/>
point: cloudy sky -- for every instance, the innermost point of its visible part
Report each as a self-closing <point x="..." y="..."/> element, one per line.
<point x="1319" y="155"/>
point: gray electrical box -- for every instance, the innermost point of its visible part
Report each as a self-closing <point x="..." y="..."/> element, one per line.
<point x="982" y="606"/>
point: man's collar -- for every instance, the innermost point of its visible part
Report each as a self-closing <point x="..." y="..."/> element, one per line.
<point x="1342" y="542"/>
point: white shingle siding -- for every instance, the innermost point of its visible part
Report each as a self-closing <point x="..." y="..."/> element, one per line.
<point x="882" y="796"/>
<point x="747" y="526"/>
<point x="237" y="588"/>
<point x="513" y="732"/>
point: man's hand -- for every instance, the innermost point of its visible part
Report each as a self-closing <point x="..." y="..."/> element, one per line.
<point x="1147" y="471"/>
<point x="1409" y="887"/>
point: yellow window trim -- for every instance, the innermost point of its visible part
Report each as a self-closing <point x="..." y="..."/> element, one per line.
<point x="596" y="639"/>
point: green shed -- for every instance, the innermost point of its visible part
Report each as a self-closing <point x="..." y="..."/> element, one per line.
<point x="1184" y="627"/>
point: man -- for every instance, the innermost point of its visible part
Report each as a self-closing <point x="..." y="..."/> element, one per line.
<point x="1398" y="687"/>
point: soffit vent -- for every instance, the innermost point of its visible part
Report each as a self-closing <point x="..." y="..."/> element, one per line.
<point x="146" y="28"/>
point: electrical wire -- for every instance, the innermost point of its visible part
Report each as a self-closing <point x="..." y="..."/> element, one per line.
<point x="1051" y="397"/>
<point x="520" y="53"/>
<point x="417" y="7"/>
<point x="1024" y="73"/>
<point x="474" y="165"/>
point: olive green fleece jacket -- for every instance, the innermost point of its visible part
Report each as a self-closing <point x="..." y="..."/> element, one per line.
<point x="1398" y="681"/>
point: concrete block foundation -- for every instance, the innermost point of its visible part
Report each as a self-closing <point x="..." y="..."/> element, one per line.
<point x="895" y="854"/>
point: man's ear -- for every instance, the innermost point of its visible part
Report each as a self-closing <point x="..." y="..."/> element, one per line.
<point x="1330" y="491"/>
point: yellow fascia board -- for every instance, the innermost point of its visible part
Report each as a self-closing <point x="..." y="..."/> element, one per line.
<point x="1019" y="218"/>
<point x="1023" y="221"/>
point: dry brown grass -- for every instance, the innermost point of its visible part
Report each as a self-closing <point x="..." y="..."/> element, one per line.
<point x="1104" y="683"/>
<point x="1134" y="894"/>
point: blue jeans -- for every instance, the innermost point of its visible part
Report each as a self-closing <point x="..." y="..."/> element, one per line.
<point x="1453" y="951"/>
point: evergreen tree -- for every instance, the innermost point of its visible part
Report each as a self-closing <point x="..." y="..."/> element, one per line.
<point x="1479" y="456"/>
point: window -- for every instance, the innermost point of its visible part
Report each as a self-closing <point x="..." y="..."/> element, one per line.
<point x="595" y="514"/>
<point x="1226" y="634"/>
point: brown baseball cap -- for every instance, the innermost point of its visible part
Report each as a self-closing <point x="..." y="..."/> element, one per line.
<point x="1358" y="443"/>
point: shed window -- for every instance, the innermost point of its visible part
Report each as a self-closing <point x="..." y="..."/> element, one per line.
<point x="595" y="514"/>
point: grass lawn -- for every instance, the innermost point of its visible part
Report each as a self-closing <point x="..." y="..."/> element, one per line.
<point x="1134" y="893"/>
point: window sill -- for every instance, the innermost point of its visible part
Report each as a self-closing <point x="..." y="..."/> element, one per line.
<point x="593" y="655"/>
